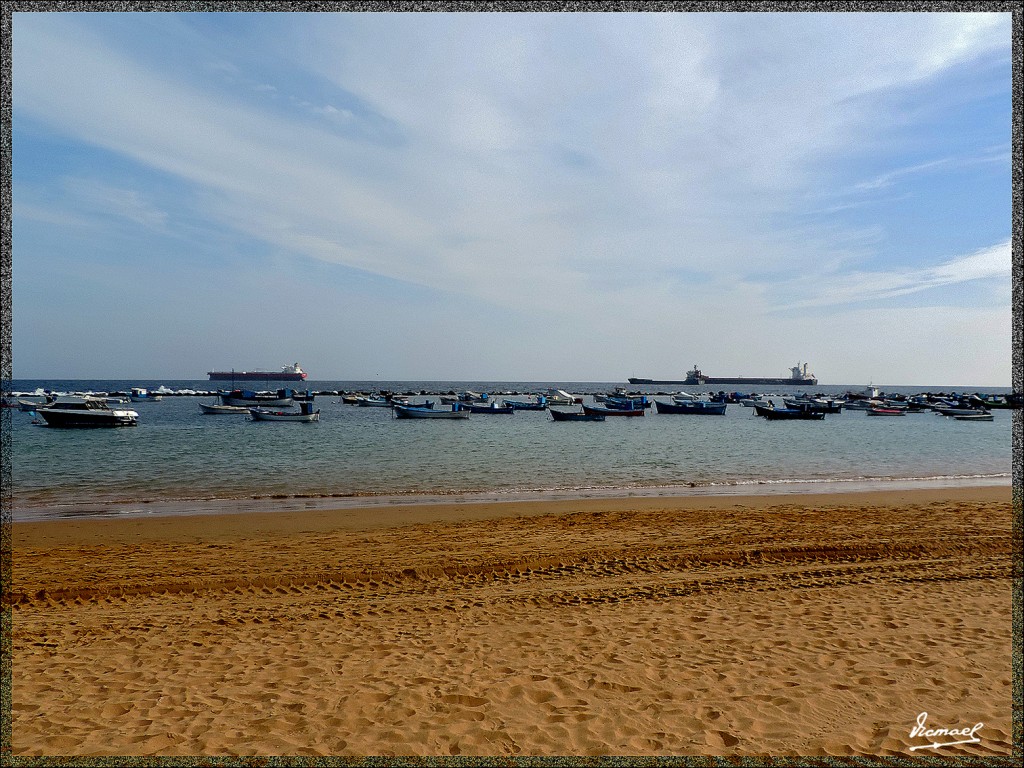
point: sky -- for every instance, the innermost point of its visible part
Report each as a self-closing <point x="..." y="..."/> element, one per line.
<point x="513" y="196"/>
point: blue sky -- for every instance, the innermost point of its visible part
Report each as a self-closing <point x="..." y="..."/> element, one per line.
<point x="571" y="197"/>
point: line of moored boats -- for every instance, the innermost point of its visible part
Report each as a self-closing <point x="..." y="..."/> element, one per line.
<point x="91" y="410"/>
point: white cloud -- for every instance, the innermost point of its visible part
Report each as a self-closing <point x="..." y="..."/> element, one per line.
<point x="993" y="262"/>
<point x="887" y="179"/>
<point x="101" y="199"/>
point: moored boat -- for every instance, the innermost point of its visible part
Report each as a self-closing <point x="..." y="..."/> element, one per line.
<point x="814" y="404"/>
<point x="216" y="409"/>
<point x="779" y="414"/>
<point x="84" y="411"/>
<point x="251" y="399"/>
<point x="558" y="415"/>
<point x="627" y="403"/>
<point x="458" y="411"/>
<point x="141" y="394"/>
<point x="886" y="411"/>
<point x="561" y="397"/>
<point x="305" y="413"/>
<point x="492" y="408"/>
<point x="539" y="404"/>
<point x="960" y="411"/>
<point x="373" y="402"/>
<point x="701" y="407"/>
<point x="684" y="397"/>
<point x="31" y="405"/>
<point x="591" y="409"/>
<point x="974" y="417"/>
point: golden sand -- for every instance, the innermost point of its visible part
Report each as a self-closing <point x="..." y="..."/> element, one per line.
<point x="776" y="625"/>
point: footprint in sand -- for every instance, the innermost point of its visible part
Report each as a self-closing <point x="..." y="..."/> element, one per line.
<point x="721" y="739"/>
<point x="465" y="701"/>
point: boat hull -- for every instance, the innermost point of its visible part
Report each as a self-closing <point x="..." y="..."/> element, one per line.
<point x="827" y="406"/>
<point x="697" y="407"/>
<point x="491" y="409"/>
<point x="410" y="412"/>
<point x="588" y="409"/>
<point x="519" y="405"/>
<point x="255" y="376"/>
<point x="790" y="415"/>
<point x="69" y="419"/>
<point x="575" y="416"/>
<point x="250" y="403"/>
<point x="261" y="415"/>
<point x="219" y="410"/>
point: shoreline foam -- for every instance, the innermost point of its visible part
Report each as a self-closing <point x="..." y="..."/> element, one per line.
<point x="205" y="506"/>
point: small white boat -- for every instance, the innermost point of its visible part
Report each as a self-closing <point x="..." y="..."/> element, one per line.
<point x="217" y="409"/>
<point x="140" y="394"/>
<point x="862" y="405"/>
<point x="31" y="405"/>
<point x="684" y="397"/>
<point x="561" y="397"/>
<point x="955" y="412"/>
<point x="373" y="402"/>
<point x="305" y="413"/>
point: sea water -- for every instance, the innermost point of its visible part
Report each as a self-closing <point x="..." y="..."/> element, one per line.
<point x="180" y="460"/>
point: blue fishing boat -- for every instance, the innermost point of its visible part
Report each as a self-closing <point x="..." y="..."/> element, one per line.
<point x="458" y="411"/>
<point x="778" y="414"/>
<point x="702" y="407"/>
<point x="492" y="408"/>
<point x="540" y="404"/>
<point x="250" y="399"/>
<point x="558" y="415"/>
<point x="591" y="409"/>
<point x="627" y="403"/>
<point x="814" y="404"/>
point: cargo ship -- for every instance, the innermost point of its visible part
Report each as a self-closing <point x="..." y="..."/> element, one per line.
<point x="287" y="373"/>
<point x="798" y="376"/>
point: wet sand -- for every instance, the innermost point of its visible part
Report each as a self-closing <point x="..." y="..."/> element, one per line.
<point x="740" y="625"/>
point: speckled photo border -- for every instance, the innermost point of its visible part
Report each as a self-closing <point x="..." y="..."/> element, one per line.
<point x="6" y="373"/>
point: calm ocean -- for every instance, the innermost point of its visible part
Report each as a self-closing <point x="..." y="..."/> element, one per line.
<point x="179" y="460"/>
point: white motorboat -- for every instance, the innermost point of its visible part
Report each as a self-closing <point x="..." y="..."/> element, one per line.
<point x="84" y="411"/>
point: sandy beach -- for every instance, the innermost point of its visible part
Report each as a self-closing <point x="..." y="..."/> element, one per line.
<point x="771" y="625"/>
